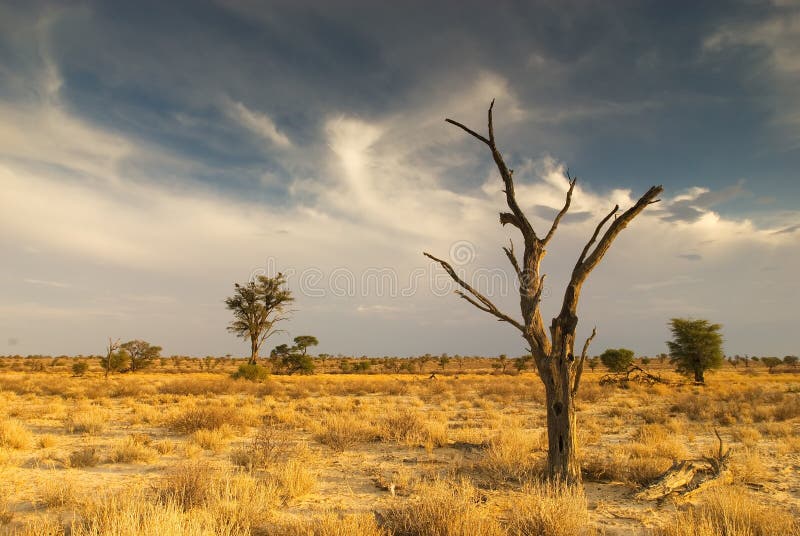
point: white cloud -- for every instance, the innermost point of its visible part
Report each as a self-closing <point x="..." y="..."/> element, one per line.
<point x="257" y="122"/>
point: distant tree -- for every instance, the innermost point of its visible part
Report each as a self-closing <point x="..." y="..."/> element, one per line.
<point x="141" y="354"/>
<point x="521" y="362"/>
<point x="304" y="342"/>
<point x="422" y="360"/>
<point x="791" y="361"/>
<point x="771" y="362"/>
<point x="115" y="359"/>
<point x="323" y="358"/>
<point x="460" y="362"/>
<point x="257" y="306"/>
<point x="617" y="359"/>
<point x="696" y="347"/>
<point x="444" y="359"/>
<point x="502" y="363"/>
<point x="662" y="358"/>
<point x="593" y="362"/>
<point x="644" y="361"/>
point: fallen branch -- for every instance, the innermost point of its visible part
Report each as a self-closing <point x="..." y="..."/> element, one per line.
<point x="635" y="374"/>
<point x="688" y="477"/>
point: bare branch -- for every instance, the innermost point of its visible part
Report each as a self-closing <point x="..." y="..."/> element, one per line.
<point x="509" y="251"/>
<point x="562" y="212"/>
<point x="520" y="220"/>
<point x="485" y="304"/>
<point x="579" y="370"/>
<point x="596" y="232"/>
<point x="469" y="131"/>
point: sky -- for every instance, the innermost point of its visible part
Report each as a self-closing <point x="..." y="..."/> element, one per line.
<point x="152" y="154"/>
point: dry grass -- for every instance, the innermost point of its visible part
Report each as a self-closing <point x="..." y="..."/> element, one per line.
<point x="445" y="509"/>
<point x="90" y="420"/>
<point x="512" y="454"/>
<point x="192" y="419"/>
<point x="132" y="449"/>
<point x="331" y="524"/>
<point x="550" y="510"/>
<point x="342" y="431"/>
<point x="731" y="512"/>
<point x="197" y="453"/>
<point x="14" y="435"/>
<point x="84" y="457"/>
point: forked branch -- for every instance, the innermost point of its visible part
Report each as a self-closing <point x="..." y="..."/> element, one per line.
<point x="477" y="299"/>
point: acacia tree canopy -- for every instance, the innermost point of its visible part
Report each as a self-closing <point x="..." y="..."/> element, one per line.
<point x="257" y="306"/>
<point x="696" y="347"/>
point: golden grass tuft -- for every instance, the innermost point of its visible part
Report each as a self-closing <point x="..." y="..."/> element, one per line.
<point x="550" y="509"/>
<point x="731" y="511"/>
<point x="86" y="419"/>
<point x="445" y="509"/>
<point x="132" y="449"/>
<point x="14" y="435"/>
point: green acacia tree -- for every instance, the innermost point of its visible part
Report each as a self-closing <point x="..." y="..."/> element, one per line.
<point x="257" y="306"/>
<point x="617" y="359"/>
<point x="696" y="347"/>
<point x="141" y="354"/>
<point x="304" y="342"/>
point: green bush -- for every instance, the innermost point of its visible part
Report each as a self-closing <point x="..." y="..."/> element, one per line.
<point x="617" y="359"/>
<point x="254" y="373"/>
<point x="79" y="368"/>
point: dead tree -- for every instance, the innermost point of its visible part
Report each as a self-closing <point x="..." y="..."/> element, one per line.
<point x="553" y="353"/>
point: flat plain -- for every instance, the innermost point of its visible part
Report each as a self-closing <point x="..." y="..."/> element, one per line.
<point x="180" y="450"/>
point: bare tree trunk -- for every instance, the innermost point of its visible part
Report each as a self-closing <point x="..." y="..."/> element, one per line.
<point x="556" y="363"/>
<point x="699" y="376"/>
<point x="562" y="445"/>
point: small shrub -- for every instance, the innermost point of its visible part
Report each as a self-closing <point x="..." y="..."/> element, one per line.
<point x="13" y="434"/>
<point x="47" y="441"/>
<point x="84" y="457"/>
<point x="215" y="440"/>
<point x="204" y="417"/>
<point x="253" y="373"/>
<point x="293" y="479"/>
<point x="132" y="449"/>
<point x="341" y="431"/>
<point x="80" y="368"/>
<point x="56" y="491"/>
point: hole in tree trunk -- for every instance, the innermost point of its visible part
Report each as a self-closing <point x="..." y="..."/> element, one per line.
<point x="557" y="407"/>
<point x="561" y="444"/>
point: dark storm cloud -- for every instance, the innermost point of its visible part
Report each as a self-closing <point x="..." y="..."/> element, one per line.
<point x="159" y="71"/>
